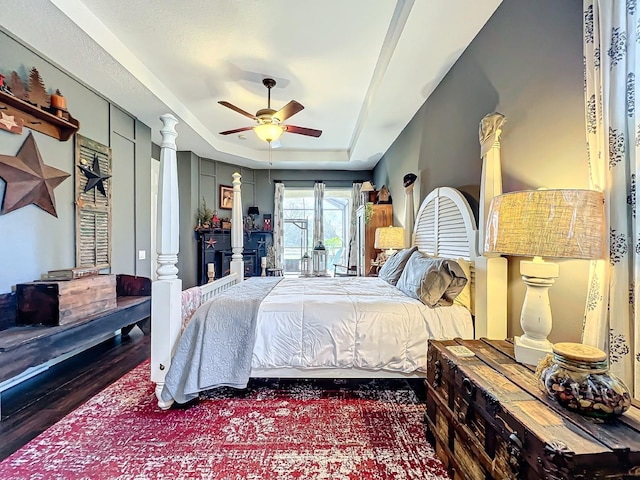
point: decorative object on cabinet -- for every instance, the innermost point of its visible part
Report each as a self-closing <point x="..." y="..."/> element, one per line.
<point x="93" y="205"/>
<point x="29" y="180"/>
<point x="266" y="222"/>
<point x="204" y="216"/>
<point x="384" y="196"/>
<point x="253" y="212"/>
<point x="557" y="223"/>
<point x="33" y="106"/>
<point x="380" y="216"/>
<point x="226" y="197"/>
<point x="215" y="221"/>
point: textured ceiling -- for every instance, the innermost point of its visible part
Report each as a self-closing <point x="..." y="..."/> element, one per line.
<point x="361" y="68"/>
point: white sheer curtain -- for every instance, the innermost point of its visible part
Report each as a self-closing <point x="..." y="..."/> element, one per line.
<point x="356" y="202"/>
<point x="613" y="135"/>
<point x="278" y="224"/>
<point x="318" y="214"/>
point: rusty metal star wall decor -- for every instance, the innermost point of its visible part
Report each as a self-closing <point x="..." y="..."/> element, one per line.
<point x="29" y="180"/>
<point x="95" y="178"/>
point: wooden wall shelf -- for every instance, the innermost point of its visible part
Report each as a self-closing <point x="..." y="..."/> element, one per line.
<point x="38" y="119"/>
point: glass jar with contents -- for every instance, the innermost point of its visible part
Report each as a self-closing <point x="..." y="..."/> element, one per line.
<point x="578" y="378"/>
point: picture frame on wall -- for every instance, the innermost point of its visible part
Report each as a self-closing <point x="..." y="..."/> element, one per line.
<point x="226" y="197"/>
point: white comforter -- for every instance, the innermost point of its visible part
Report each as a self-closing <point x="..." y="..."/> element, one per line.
<point x="350" y="322"/>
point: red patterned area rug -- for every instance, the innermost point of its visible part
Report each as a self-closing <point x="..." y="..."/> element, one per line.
<point x="276" y="429"/>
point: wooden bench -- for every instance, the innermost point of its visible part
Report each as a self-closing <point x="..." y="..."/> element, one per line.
<point x="25" y="347"/>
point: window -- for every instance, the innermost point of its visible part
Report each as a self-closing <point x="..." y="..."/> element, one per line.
<point x="298" y="225"/>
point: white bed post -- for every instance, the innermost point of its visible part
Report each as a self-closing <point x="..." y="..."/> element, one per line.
<point x="167" y="290"/>
<point x="237" y="230"/>
<point x="491" y="285"/>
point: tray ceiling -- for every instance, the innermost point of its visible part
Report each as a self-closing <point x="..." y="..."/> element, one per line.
<point x="361" y="68"/>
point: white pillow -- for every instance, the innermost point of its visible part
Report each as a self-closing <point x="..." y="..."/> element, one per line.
<point x="464" y="297"/>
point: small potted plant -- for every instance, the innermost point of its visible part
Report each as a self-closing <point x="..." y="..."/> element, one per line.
<point x="203" y="216"/>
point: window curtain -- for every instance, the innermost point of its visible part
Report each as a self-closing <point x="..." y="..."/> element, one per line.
<point x="318" y="214"/>
<point x="356" y="202"/>
<point x="278" y="224"/>
<point x="613" y="142"/>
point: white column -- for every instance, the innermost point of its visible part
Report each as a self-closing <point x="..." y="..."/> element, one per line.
<point x="491" y="180"/>
<point x="237" y="230"/>
<point x="166" y="291"/>
<point x="491" y="285"/>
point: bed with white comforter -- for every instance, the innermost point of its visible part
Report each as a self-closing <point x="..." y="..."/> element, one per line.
<point x="346" y="322"/>
<point x="306" y="324"/>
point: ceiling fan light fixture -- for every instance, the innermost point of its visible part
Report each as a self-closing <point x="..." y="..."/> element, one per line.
<point x="268" y="131"/>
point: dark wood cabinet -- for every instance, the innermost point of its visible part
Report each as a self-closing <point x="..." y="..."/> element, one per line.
<point x="214" y="246"/>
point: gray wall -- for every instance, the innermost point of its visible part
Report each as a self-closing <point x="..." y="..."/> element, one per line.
<point x="32" y="241"/>
<point x="527" y="64"/>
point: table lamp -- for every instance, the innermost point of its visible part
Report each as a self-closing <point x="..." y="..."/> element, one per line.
<point x="556" y="223"/>
<point x="253" y="212"/>
<point x="390" y="239"/>
<point x="365" y="189"/>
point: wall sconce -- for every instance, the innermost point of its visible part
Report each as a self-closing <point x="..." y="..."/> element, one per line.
<point x="543" y="223"/>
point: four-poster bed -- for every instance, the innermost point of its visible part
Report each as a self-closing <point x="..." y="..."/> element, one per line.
<point x="444" y="227"/>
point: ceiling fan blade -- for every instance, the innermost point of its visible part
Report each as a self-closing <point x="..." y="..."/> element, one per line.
<point x="289" y="110"/>
<point x="243" y="129"/>
<point x="237" y="109"/>
<point x="303" y="130"/>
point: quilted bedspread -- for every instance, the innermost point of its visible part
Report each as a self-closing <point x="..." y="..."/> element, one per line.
<point x="347" y="322"/>
<point x="302" y="323"/>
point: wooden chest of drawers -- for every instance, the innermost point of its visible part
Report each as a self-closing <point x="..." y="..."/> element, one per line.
<point x="489" y="419"/>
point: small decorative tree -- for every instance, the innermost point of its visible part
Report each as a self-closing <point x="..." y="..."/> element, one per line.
<point x="203" y="215"/>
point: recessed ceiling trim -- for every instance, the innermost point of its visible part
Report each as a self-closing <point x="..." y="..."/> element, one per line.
<point x="86" y="20"/>
<point x="394" y="32"/>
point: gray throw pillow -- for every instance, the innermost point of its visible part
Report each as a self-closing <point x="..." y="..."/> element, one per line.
<point x="433" y="281"/>
<point x="393" y="267"/>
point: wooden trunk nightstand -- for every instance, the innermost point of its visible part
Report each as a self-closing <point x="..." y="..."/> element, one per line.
<point x="489" y="419"/>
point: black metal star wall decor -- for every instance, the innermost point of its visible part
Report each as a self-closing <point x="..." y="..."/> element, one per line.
<point x="95" y="178"/>
<point x="29" y="180"/>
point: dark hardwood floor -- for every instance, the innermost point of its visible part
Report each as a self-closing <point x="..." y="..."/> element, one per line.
<point x="31" y="407"/>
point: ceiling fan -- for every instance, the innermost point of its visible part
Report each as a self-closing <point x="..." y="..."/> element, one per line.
<point x="270" y="126"/>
